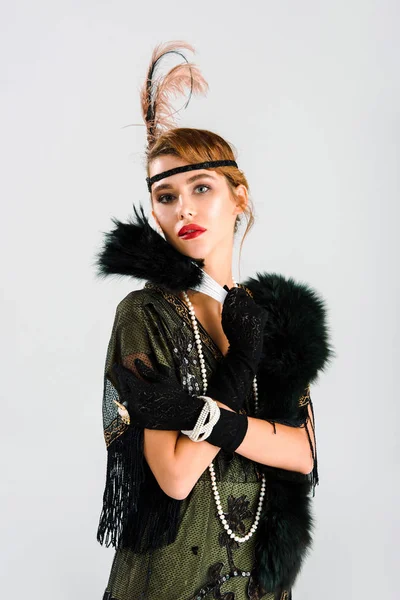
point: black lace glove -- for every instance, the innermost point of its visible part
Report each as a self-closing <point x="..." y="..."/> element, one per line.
<point x="159" y="402"/>
<point x="243" y="322"/>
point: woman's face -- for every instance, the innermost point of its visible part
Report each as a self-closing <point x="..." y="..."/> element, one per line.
<point x="201" y="197"/>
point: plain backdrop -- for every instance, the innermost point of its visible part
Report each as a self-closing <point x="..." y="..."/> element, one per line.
<point x="308" y="93"/>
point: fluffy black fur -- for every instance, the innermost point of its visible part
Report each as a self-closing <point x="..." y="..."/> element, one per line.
<point x="136" y="249"/>
<point x="295" y="347"/>
<point x="284" y="535"/>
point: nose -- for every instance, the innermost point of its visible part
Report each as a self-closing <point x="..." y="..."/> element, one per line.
<point x="185" y="208"/>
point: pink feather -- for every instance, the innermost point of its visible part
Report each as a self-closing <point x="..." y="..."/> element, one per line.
<point x="155" y="94"/>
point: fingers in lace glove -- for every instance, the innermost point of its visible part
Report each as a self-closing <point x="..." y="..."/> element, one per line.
<point x="231" y="381"/>
<point x="163" y="372"/>
<point x="154" y="404"/>
<point x="147" y="374"/>
<point x="243" y="322"/>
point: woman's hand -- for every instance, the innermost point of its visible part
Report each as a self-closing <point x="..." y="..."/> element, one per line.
<point x="157" y="400"/>
<point x="243" y="322"/>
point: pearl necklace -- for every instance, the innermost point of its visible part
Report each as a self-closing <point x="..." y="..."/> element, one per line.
<point x="211" y="466"/>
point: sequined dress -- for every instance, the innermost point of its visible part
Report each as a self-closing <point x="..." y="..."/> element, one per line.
<point x="203" y="562"/>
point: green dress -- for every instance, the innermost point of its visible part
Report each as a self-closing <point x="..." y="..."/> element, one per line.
<point x="203" y="562"/>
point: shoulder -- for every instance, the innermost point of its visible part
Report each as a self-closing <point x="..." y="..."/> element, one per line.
<point x="136" y="300"/>
<point x="143" y="309"/>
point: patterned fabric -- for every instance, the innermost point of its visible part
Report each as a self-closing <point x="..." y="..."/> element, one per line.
<point x="202" y="562"/>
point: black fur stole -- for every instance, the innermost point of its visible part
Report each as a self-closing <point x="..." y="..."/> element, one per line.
<point x="295" y="350"/>
<point x="136" y="249"/>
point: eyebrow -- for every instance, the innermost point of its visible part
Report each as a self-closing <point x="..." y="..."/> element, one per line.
<point x="168" y="186"/>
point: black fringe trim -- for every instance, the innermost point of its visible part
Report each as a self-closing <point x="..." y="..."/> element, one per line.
<point x="156" y="522"/>
<point x="136" y="513"/>
<point x="314" y="472"/>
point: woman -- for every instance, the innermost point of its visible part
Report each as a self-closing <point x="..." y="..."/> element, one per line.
<point x="207" y="413"/>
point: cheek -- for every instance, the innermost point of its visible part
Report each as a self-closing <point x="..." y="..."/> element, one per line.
<point x="219" y="213"/>
<point x="165" y="218"/>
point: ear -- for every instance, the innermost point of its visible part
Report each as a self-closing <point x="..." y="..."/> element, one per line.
<point x="242" y="198"/>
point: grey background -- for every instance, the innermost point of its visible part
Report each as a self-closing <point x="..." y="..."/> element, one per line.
<point x="308" y="92"/>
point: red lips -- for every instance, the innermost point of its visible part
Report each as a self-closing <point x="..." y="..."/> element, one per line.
<point x="190" y="227"/>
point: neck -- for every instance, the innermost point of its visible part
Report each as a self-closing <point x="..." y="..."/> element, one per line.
<point x="217" y="264"/>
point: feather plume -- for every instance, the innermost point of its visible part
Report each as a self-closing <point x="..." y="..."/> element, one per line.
<point x="156" y="92"/>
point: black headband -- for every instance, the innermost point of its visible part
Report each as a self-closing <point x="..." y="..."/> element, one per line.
<point x="203" y="165"/>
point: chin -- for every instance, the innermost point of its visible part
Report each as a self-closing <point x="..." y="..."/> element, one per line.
<point x="202" y="252"/>
<point x="193" y="248"/>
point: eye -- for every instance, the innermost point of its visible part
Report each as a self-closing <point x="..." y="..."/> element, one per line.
<point x="160" y="198"/>
<point x="203" y="185"/>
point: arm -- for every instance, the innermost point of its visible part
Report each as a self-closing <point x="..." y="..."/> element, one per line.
<point x="178" y="467"/>
<point x="288" y="448"/>
<point x="176" y="461"/>
<point x="180" y="463"/>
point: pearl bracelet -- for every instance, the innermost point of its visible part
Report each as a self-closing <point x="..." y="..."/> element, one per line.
<point x="202" y="430"/>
